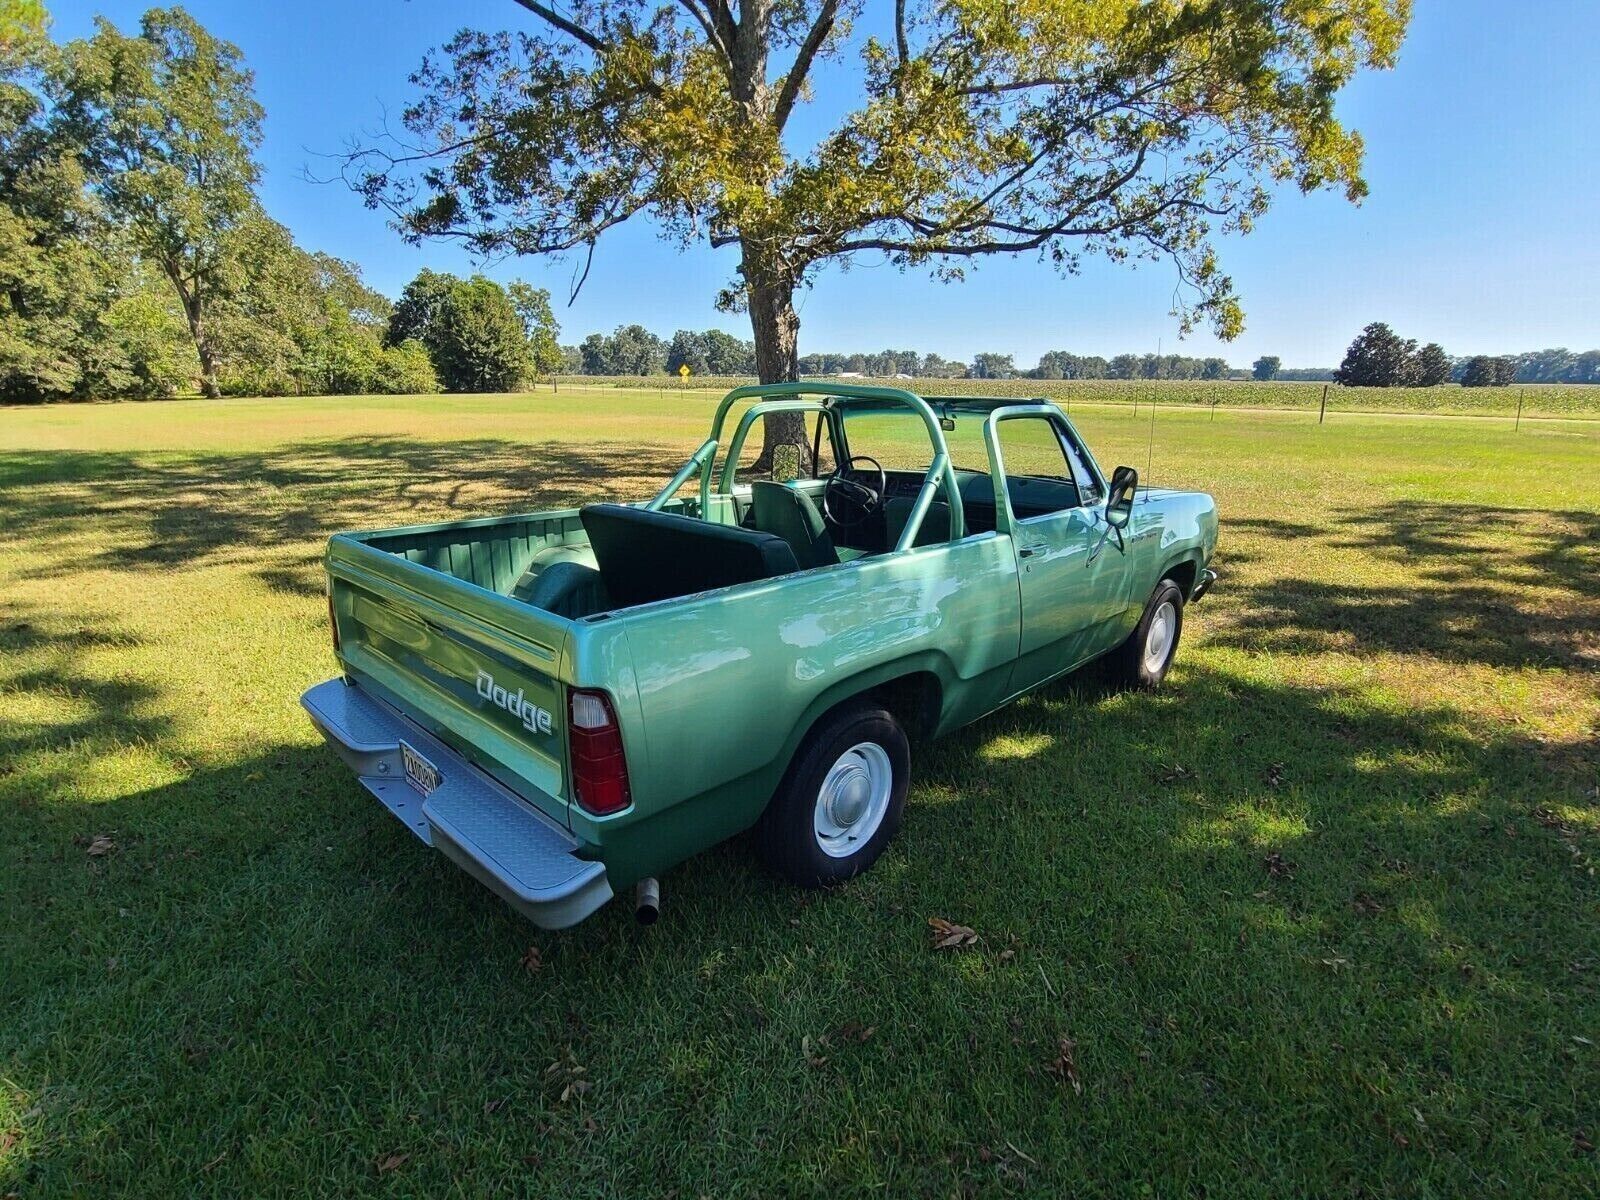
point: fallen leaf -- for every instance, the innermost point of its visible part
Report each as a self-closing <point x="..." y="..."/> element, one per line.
<point x="1278" y="867"/>
<point x="1581" y="1144"/>
<point x="809" y="1049"/>
<point x="1275" y="775"/>
<point x="214" y="1163"/>
<point x="1336" y="964"/>
<point x="101" y="845"/>
<point x="1366" y="905"/>
<point x="1176" y="773"/>
<point x="493" y="1106"/>
<point x="1065" y="1066"/>
<point x="531" y="962"/>
<point x="9" y="1138"/>
<point x="949" y="936"/>
<point x="854" y="1031"/>
<point x="391" y="1162"/>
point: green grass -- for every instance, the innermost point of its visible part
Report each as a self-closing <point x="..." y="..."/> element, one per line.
<point x="1320" y="918"/>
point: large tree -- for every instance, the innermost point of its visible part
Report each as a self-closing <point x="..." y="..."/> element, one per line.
<point x="169" y="125"/>
<point x="1432" y="366"/>
<point x="1050" y="127"/>
<point x="1379" y="357"/>
<point x="539" y="326"/>
<point x="1266" y="368"/>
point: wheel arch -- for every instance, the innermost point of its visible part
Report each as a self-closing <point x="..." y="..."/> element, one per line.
<point x="911" y="690"/>
<point x="1185" y="572"/>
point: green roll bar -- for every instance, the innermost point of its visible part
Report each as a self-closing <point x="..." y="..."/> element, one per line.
<point x="789" y="397"/>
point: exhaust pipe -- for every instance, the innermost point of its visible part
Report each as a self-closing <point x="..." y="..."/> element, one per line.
<point x="647" y="900"/>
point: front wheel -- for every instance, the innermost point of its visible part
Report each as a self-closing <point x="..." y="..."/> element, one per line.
<point x="1144" y="659"/>
<point x="841" y="800"/>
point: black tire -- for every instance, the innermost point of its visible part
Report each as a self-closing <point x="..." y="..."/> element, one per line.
<point x="1128" y="666"/>
<point x="787" y="835"/>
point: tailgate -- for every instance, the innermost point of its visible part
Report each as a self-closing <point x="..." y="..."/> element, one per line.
<point x="479" y="670"/>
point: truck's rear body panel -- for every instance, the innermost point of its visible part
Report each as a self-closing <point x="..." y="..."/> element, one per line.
<point x="426" y="623"/>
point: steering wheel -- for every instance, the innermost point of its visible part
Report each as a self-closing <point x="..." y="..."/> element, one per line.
<point x="846" y="500"/>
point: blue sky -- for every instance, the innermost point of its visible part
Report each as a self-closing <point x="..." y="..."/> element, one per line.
<point x="1482" y="231"/>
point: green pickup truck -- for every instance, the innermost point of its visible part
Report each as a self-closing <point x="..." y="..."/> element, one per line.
<point x="568" y="703"/>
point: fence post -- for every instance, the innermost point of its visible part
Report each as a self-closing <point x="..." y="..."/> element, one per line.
<point x="1518" y="425"/>
<point x="1323" y="413"/>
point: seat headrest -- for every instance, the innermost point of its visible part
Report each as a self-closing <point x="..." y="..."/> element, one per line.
<point x="646" y="556"/>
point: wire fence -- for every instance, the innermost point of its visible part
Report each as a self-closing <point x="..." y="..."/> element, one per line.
<point x="1517" y="403"/>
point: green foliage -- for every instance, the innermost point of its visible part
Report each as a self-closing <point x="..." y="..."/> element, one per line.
<point x="539" y="327"/>
<point x="1432" y="366"/>
<point x="1266" y="368"/>
<point x="478" y="339"/>
<point x="992" y="366"/>
<point x="150" y="331"/>
<point x="629" y="350"/>
<point x="481" y="337"/>
<point x="405" y="369"/>
<point x="416" y="313"/>
<point x="23" y="26"/>
<point x="1115" y="127"/>
<point x="1484" y="370"/>
<point x="1378" y="357"/>
<point x="168" y="122"/>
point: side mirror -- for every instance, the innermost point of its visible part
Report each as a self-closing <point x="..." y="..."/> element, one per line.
<point x="1119" y="505"/>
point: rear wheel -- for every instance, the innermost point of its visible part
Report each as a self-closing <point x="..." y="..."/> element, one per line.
<point x="841" y="800"/>
<point x="1144" y="659"/>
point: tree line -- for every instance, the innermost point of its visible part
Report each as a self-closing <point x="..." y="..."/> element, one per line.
<point x="634" y="350"/>
<point x="136" y="259"/>
<point x="1380" y="357"/>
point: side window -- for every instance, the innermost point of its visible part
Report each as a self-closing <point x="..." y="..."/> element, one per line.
<point x="1088" y="489"/>
<point x="787" y="459"/>
<point x="1039" y="476"/>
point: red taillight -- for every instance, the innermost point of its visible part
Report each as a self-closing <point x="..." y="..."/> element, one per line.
<point x="333" y="621"/>
<point x="594" y="743"/>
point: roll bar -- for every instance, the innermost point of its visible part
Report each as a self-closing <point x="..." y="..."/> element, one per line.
<point x="791" y="397"/>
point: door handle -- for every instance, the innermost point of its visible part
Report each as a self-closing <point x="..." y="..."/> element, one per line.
<point x="1030" y="551"/>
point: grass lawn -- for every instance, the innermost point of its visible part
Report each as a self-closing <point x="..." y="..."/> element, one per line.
<point x="1322" y="917"/>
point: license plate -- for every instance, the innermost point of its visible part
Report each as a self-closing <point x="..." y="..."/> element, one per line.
<point x="420" y="773"/>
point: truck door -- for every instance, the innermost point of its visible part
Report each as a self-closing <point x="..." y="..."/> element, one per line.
<point x="1070" y="575"/>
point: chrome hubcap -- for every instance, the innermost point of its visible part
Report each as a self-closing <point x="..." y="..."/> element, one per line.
<point x="1158" y="641"/>
<point x="853" y="799"/>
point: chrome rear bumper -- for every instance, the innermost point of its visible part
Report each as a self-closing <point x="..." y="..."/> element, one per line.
<point x="514" y="851"/>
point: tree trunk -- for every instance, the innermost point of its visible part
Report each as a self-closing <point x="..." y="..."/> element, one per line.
<point x="208" y="364"/>
<point x="190" y="299"/>
<point x="776" y="327"/>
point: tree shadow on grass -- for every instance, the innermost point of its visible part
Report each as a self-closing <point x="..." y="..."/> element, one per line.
<point x="1500" y="587"/>
<point x="1455" y="542"/>
<point x="273" y="510"/>
<point x="1247" y="903"/>
<point x="43" y="654"/>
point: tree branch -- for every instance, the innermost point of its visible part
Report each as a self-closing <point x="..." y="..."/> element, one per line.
<point x="578" y="33"/>
<point x="704" y="17"/>
<point x="792" y="82"/>
<point x="570" y="28"/>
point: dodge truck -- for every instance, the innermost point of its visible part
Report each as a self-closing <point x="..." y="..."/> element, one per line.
<point x="568" y="703"/>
